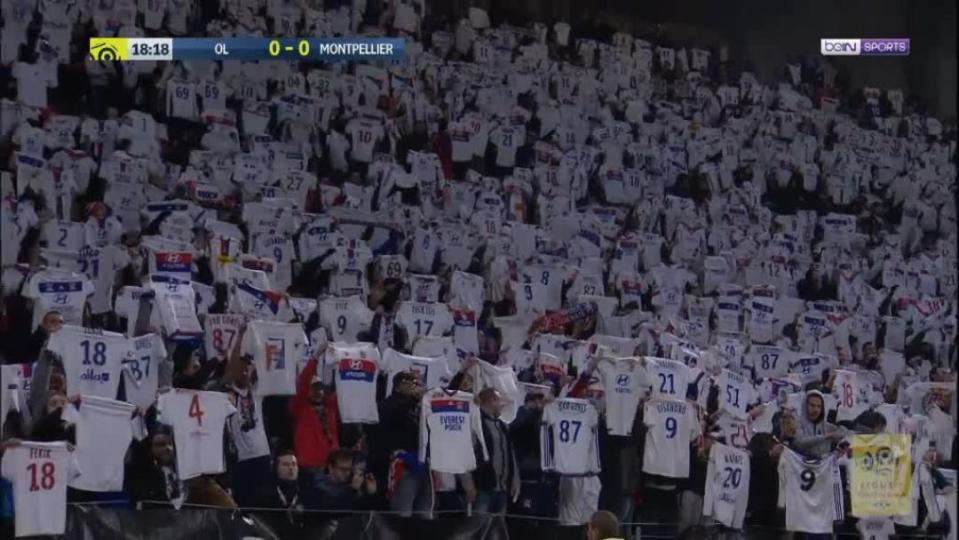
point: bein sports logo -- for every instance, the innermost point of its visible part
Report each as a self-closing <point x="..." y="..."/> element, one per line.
<point x="864" y="47"/>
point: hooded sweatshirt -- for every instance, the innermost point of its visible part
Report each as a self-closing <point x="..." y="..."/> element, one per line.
<point x="811" y="438"/>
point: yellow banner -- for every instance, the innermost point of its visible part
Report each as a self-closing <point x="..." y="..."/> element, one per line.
<point x="880" y="478"/>
<point x="109" y="49"/>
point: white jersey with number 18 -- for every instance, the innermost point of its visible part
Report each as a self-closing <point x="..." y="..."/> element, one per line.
<point x="40" y="473"/>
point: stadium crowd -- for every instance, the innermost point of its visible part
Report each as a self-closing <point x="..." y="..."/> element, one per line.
<point x="537" y="269"/>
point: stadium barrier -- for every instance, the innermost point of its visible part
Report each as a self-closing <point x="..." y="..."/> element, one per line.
<point x="94" y="522"/>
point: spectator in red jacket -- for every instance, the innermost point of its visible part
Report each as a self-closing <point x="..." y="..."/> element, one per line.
<point x="313" y="409"/>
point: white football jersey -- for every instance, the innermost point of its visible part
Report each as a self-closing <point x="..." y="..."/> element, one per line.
<point x="810" y="492"/>
<point x="345" y="318"/>
<point x="57" y="290"/>
<point x="141" y="370"/>
<point x="671" y="426"/>
<point x="728" y="311"/>
<point x="421" y="319"/>
<point x="767" y="361"/>
<point x="100" y="265"/>
<point x="569" y="437"/>
<point x="39" y="473"/>
<point x="423" y="288"/>
<point x="449" y="423"/>
<point x="541" y="287"/>
<point x="356" y="366"/>
<point x="433" y="372"/>
<point x="220" y="331"/>
<point x="92" y="359"/>
<point x="668" y="379"/>
<point x="276" y="349"/>
<point x="64" y="235"/>
<point x="105" y="428"/>
<point x="197" y="419"/>
<point x="761" y="310"/>
<point x="727" y="485"/>
<point x="623" y="380"/>
<point x="853" y="392"/>
<point x="736" y="392"/>
<point x="466" y="291"/>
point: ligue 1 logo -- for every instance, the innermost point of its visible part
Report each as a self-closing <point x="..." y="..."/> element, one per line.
<point x="864" y="47"/>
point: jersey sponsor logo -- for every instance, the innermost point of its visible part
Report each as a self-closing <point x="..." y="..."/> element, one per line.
<point x="91" y="375"/>
<point x="173" y="262"/>
<point x="622" y="384"/>
<point x="449" y="406"/>
<point x="268" y="299"/>
<point x="60" y="287"/>
<point x="464" y="318"/>
<point x="354" y="369"/>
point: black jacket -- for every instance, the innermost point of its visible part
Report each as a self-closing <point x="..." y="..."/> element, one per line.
<point x="484" y="477"/>
<point x="524" y="435"/>
<point x="398" y="429"/>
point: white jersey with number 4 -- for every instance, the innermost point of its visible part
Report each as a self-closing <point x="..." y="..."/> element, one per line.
<point x="39" y="473"/>
<point x="569" y="438"/>
<point x="198" y="419"/>
<point x="276" y="349"/>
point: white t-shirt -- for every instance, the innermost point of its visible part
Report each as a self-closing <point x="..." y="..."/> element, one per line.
<point x="39" y="473"/>
<point x="141" y="371"/>
<point x="198" y="419"/>
<point x="727" y="485"/>
<point x="433" y="372"/>
<point x="345" y="318"/>
<point x="105" y="428"/>
<point x="570" y="437"/>
<point x="449" y="422"/>
<point x="246" y="426"/>
<point x="277" y="348"/>
<point x="92" y="359"/>
<point x="55" y="290"/>
<point x="767" y="361"/>
<point x="364" y="134"/>
<point x="220" y="333"/>
<point x="356" y="366"/>
<point x="671" y="425"/>
<point x="808" y="490"/>
<point x="668" y="379"/>
<point x="421" y="319"/>
<point x="623" y="380"/>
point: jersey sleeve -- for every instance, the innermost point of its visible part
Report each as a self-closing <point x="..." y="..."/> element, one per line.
<point x="546" y="443"/>
<point x="476" y="423"/>
<point x="781" y="470"/>
<point x="8" y="467"/>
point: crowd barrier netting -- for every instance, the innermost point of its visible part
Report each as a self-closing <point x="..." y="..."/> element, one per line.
<point x="97" y="522"/>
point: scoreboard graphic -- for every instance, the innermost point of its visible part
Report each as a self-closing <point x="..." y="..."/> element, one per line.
<point x="370" y="49"/>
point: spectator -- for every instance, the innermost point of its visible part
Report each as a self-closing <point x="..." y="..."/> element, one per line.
<point x="397" y="445"/>
<point x="284" y="495"/>
<point x="603" y="526"/>
<point x="815" y="436"/>
<point x="151" y="475"/>
<point x="497" y="480"/>
<point x="315" y="432"/>
<point x="345" y="485"/>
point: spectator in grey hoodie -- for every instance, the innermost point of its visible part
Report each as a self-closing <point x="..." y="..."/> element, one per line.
<point x="815" y="436"/>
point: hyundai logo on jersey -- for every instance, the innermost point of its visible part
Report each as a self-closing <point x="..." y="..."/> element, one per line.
<point x="357" y="369"/>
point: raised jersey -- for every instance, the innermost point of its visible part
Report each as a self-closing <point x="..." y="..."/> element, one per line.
<point x="569" y="437"/>
<point x="92" y="359"/>
<point x="449" y="422"/>
<point x="198" y="419"/>
<point x="276" y="348"/>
